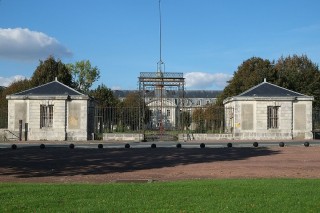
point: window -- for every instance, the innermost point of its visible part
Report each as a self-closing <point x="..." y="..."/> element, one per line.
<point x="273" y="117"/>
<point x="46" y="115"/>
<point x="168" y="112"/>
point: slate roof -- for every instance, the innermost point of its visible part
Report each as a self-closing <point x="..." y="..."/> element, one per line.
<point x="266" y="89"/>
<point x="172" y="93"/>
<point x="54" y="88"/>
<point x="202" y="93"/>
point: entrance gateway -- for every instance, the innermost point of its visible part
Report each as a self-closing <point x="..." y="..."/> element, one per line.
<point x="163" y="95"/>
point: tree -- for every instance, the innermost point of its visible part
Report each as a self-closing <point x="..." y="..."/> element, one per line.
<point x="198" y="117"/>
<point x="105" y="110"/>
<point x="48" y="70"/>
<point x="300" y="74"/>
<point x="297" y="73"/>
<point x="104" y="96"/>
<point x="214" y="115"/>
<point x="84" y="75"/>
<point x="132" y="111"/>
<point x="13" y="88"/>
<point x="250" y="73"/>
<point x="185" y="120"/>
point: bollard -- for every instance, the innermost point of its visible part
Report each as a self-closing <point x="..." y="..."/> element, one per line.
<point x="179" y="145"/>
<point x="127" y="146"/>
<point x="281" y="144"/>
<point x="229" y="145"/>
<point x="100" y="146"/>
<point x="306" y="144"/>
<point x="20" y="130"/>
<point x="202" y="145"/>
<point x="255" y="144"/>
<point x="153" y="146"/>
<point x="71" y="146"/>
<point x="42" y="146"/>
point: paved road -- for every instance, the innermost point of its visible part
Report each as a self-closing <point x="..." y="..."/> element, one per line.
<point x="208" y="144"/>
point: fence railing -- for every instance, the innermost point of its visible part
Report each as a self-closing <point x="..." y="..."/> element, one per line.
<point x="165" y="119"/>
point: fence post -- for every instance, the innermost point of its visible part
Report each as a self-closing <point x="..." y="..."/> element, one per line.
<point x="20" y="130"/>
<point x="26" y="131"/>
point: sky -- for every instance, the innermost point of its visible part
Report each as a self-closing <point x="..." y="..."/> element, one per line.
<point x="206" y="40"/>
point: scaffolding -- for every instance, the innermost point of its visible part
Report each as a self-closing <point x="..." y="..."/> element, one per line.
<point x="163" y="94"/>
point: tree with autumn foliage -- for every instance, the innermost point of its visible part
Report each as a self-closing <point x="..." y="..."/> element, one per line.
<point x="198" y="118"/>
<point x="297" y="73"/>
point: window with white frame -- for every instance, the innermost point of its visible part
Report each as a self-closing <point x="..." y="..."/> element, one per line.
<point x="273" y="117"/>
<point x="46" y="116"/>
<point x="168" y="112"/>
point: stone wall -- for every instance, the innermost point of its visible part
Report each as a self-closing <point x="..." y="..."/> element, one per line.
<point x="122" y="137"/>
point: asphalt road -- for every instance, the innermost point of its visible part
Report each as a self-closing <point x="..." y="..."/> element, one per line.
<point x="106" y="145"/>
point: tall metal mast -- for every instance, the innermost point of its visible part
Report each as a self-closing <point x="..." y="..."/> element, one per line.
<point x="160" y="64"/>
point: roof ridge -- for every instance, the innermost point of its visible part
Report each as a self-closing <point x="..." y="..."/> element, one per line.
<point x="285" y="89"/>
<point x="32" y="88"/>
<point x="80" y="93"/>
<point x="252" y="88"/>
<point x="46" y="84"/>
<point x="245" y="93"/>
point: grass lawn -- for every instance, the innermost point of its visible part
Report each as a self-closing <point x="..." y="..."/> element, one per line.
<point x="243" y="195"/>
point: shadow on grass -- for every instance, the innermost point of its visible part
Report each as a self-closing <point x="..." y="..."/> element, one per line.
<point x="34" y="162"/>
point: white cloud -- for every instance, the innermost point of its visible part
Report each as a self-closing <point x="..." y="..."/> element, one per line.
<point x="7" y="81"/>
<point x="24" y="44"/>
<point x="116" y="88"/>
<point x="203" y="80"/>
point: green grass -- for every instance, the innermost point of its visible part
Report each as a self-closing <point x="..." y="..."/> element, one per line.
<point x="249" y="195"/>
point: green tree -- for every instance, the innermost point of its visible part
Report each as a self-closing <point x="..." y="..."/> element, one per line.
<point x="296" y="73"/>
<point x="104" y="96"/>
<point x="84" y="75"/>
<point x="214" y="115"/>
<point x="300" y="74"/>
<point x="106" y="109"/>
<point x="13" y="88"/>
<point x="185" y="120"/>
<point x="250" y="73"/>
<point x="48" y="70"/>
<point x="198" y="117"/>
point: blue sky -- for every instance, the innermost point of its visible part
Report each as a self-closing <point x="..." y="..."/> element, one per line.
<point x="205" y="39"/>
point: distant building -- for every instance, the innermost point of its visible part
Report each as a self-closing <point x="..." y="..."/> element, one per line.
<point x="268" y="111"/>
<point x="167" y="109"/>
<point x="53" y="111"/>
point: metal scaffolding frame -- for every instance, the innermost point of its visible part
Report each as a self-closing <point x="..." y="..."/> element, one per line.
<point x="157" y="89"/>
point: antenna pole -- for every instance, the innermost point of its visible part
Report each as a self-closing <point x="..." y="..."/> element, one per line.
<point x="160" y="63"/>
<point x="160" y="25"/>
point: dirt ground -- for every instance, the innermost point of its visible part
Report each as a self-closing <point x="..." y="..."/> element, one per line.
<point x="63" y="165"/>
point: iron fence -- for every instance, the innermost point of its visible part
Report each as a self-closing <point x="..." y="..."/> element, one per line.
<point x="165" y="120"/>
